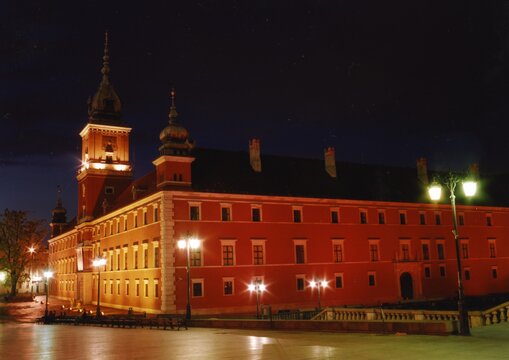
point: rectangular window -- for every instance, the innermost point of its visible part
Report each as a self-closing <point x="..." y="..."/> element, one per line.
<point x="371" y="279"/>
<point x="118" y="259"/>
<point x="226" y="213"/>
<point x="338" y="252"/>
<point x="494" y="274"/>
<point x="157" y="257"/>
<point x="125" y="258"/>
<point x="145" y="287"/>
<point x="422" y="219"/>
<point x="489" y="221"/>
<point x="300" y="254"/>
<point x="339" y="281"/>
<point x="425" y="251"/>
<point x="135" y="220"/>
<point x="363" y="217"/>
<point x="197" y="288"/>
<point x="194" y="212"/>
<point x="228" y="255"/>
<point x="227" y="287"/>
<point x="118" y="286"/>
<point x="440" y="251"/>
<point x="334" y="216"/>
<point x="297" y="215"/>
<point x="402" y="218"/>
<point x="492" y="248"/>
<point x="437" y="219"/>
<point x="464" y="250"/>
<point x="461" y="220"/>
<point x="427" y="272"/>
<point x="373" y="251"/>
<point x="135" y="258"/>
<point x="137" y="282"/>
<point x="467" y="274"/>
<point x="156" y="288"/>
<point x="256" y="215"/>
<point x="111" y="260"/>
<point x="405" y="252"/>
<point x="381" y="218"/>
<point x="258" y="254"/>
<point x="127" y="287"/>
<point x="125" y="223"/>
<point x="118" y="226"/>
<point x="111" y="287"/>
<point x="195" y="256"/>
<point x="145" y="218"/>
<point x="442" y="270"/>
<point x="300" y="283"/>
<point x="156" y="214"/>
<point x="145" y="257"/>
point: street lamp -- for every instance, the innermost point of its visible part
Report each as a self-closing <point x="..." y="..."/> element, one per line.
<point x="98" y="263"/>
<point x="470" y="188"/>
<point x="258" y="287"/>
<point x="31" y="250"/>
<point x="318" y="285"/>
<point x="47" y="274"/>
<point x="188" y="243"/>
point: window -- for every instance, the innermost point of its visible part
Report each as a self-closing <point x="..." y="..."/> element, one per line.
<point x="492" y="248"/>
<point x="109" y="190"/>
<point x="373" y="250"/>
<point x="402" y="218"/>
<point x="125" y="223"/>
<point x="156" y="288"/>
<point x="145" y="256"/>
<point x="461" y="219"/>
<point x="422" y="219"/>
<point x="135" y="257"/>
<point x="437" y="219"/>
<point x="226" y="213"/>
<point x="338" y="281"/>
<point x="118" y="258"/>
<point x="442" y="270"/>
<point x="371" y="279"/>
<point x="127" y="287"/>
<point x="494" y="274"/>
<point x="195" y="256"/>
<point x="440" y="251"/>
<point x="145" y="287"/>
<point x="297" y="215"/>
<point x="334" y="216"/>
<point x="300" y="254"/>
<point x="464" y="250"/>
<point x="118" y="286"/>
<point x="300" y="282"/>
<point x="137" y="283"/>
<point x="194" y="212"/>
<point x="111" y="287"/>
<point x="363" y="217"/>
<point x="125" y="257"/>
<point x="425" y="251"/>
<point x="337" y="249"/>
<point x="228" y="255"/>
<point x="405" y="251"/>
<point x="111" y="259"/>
<point x="467" y="274"/>
<point x="145" y="217"/>
<point x="118" y="226"/>
<point x="157" y="256"/>
<point x="135" y="220"/>
<point x="381" y="217"/>
<point x="489" y="220"/>
<point x="156" y="214"/>
<point x="427" y="272"/>
<point x="256" y="214"/>
<point x="197" y="288"/>
<point x="258" y="252"/>
<point x="227" y="286"/>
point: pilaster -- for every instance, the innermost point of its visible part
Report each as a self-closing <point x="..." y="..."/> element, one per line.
<point x="167" y="253"/>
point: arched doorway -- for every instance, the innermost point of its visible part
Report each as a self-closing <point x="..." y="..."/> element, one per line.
<point x="406" y="285"/>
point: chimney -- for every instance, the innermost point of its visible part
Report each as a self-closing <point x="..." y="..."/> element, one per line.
<point x="330" y="161"/>
<point x="422" y="170"/>
<point x="473" y="171"/>
<point x="254" y="155"/>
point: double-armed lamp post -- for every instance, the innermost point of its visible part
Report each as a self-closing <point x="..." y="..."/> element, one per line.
<point x="47" y="275"/>
<point x="188" y="243"/>
<point x="318" y="285"/>
<point x="435" y="192"/>
<point x="257" y="287"/>
<point x="98" y="263"/>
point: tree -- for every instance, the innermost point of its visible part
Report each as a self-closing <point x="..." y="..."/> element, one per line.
<point x="17" y="234"/>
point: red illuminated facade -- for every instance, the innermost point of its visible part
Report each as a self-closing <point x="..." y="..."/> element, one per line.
<point x="368" y="231"/>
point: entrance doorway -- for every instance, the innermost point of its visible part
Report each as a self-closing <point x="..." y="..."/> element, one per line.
<point x="406" y="285"/>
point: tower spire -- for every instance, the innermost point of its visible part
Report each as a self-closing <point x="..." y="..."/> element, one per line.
<point x="106" y="58"/>
<point x="173" y="109"/>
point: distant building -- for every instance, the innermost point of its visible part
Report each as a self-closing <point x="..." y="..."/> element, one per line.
<point x="369" y="231"/>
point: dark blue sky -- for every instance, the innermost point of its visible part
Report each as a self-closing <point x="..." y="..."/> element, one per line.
<point x="382" y="82"/>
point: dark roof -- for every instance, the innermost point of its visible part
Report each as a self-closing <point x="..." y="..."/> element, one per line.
<point x="230" y="172"/>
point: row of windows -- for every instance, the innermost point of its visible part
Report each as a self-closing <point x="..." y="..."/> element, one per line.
<point x="120" y="258"/>
<point x="297" y="215"/>
<point x="146" y="289"/>
<point x="119" y="225"/>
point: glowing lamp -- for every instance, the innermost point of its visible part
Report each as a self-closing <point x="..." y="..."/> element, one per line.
<point x="435" y="191"/>
<point x="470" y="188"/>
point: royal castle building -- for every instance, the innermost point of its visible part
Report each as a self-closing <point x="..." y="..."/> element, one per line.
<point x="369" y="232"/>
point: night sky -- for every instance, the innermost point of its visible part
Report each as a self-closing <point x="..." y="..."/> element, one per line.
<point x="382" y="82"/>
